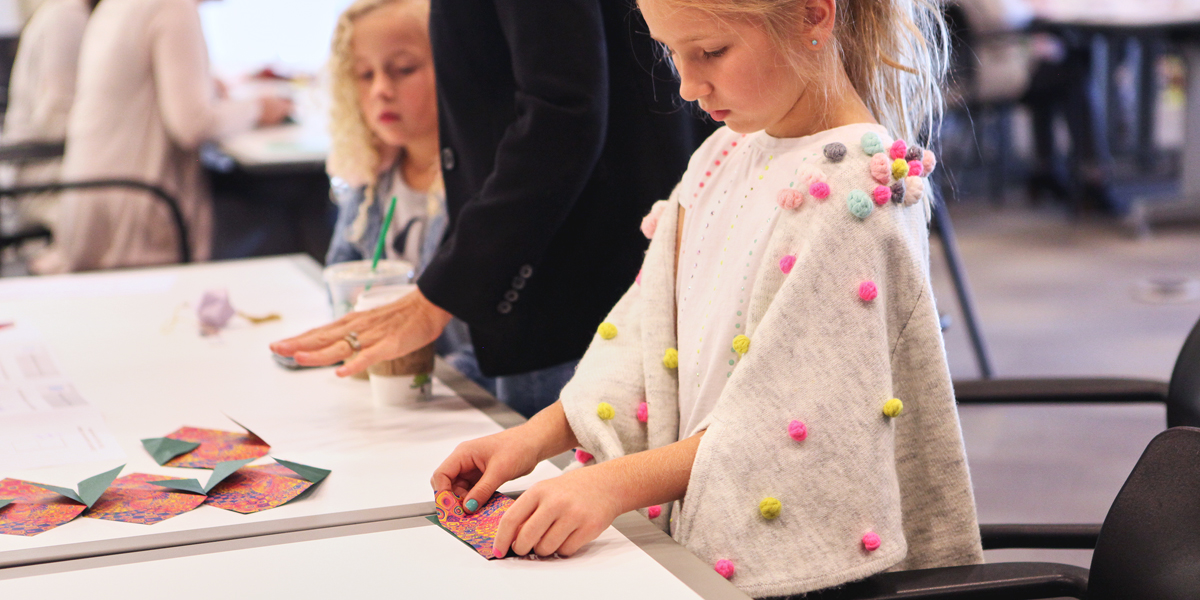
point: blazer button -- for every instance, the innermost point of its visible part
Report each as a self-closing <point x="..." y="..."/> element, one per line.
<point x="518" y="283"/>
<point x="511" y="295"/>
<point x="504" y="308"/>
<point x="526" y="271"/>
<point x="448" y="158"/>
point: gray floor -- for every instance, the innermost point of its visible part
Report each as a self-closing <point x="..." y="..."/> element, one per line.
<point x="1058" y="297"/>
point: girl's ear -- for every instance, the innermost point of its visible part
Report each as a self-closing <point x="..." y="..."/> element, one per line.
<point x="819" y="16"/>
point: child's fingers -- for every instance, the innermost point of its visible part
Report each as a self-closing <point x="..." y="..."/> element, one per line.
<point x="511" y="522"/>
<point x="453" y="471"/>
<point x="482" y="491"/>
<point x="553" y="538"/>
<point x="576" y="540"/>
<point x="533" y="530"/>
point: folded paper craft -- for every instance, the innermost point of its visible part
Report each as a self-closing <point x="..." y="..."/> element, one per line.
<point x="252" y="489"/>
<point x="35" y="508"/>
<point x="194" y="448"/>
<point x="478" y="530"/>
<point x="133" y="499"/>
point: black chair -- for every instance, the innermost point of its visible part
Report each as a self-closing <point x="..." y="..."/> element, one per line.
<point x="1147" y="549"/>
<point x="42" y="150"/>
<point x="1181" y="395"/>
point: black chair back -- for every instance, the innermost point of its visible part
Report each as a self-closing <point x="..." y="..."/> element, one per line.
<point x="1183" y="398"/>
<point x="1149" y="546"/>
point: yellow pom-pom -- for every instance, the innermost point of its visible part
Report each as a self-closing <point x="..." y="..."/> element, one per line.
<point x="741" y="344"/>
<point x="671" y="358"/>
<point x="893" y="407"/>
<point x="899" y="169"/>
<point x="605" y="411"/>
<point x="607" y="330"/>
<point x="770" y="507"/>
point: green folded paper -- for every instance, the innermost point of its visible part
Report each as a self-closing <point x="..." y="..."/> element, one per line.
<point x="164" y="449"/>
<point x="223" y="470"/>
<point x="220" y="472"/>
<point x="90" y="489"/>
<point x="5" y="502"/>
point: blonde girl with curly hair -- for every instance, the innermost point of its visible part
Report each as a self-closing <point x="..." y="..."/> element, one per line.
<point x="773" y="389"/>
<point x="384" y="129"/>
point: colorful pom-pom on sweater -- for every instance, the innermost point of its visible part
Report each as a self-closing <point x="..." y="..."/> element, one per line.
<point x="607" y="330"/>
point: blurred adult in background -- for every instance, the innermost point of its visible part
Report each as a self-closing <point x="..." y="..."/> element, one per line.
<point x="40" y="94"/>
<point x="560" y="126"/>
<point x="144" y="102"/>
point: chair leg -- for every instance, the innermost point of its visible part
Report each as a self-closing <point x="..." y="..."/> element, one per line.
<point x="945" y="230"/>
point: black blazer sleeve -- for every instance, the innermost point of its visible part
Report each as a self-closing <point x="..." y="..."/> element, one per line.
<point x="542" y="161"/>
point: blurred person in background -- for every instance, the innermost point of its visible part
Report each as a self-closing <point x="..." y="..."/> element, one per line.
<point x="144" y="103"/>
<point x="40" y="94"/>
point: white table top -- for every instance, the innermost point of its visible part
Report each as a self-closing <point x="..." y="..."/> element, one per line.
<point x="407" y="558"/>
<point x="110" y="332"/>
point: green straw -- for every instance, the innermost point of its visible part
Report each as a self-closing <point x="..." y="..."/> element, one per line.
<point x="387" y="224"/>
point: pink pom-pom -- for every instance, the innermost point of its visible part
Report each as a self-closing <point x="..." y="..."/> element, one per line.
<point x="654" y="511"/>
<point x="871" y="542"/>
<point x="725" y="568"/>
<point x="639" y="278"/>
<point x="797" y="430"/>
<point x="650" y="221"/>
<point x="819" y="190"/>
<point x="867" y="291"/>
<point x="786" y="263"/>
<point x="643" y="412"/>
<point x="881" y="168"/>
<point x="915" y="168"/>
<point x="882" y="194"/>
<point x="582" y="456"/>
<point x="789" y="198"/>
<point x="898" y="149"/>
<point x="929" y="161"/>
<point x="649" y="224"/>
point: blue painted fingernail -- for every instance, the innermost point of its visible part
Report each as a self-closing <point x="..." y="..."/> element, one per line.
<point x="472" y="505"/>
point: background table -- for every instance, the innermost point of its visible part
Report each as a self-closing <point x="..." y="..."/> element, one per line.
<point x="132" y="348"/>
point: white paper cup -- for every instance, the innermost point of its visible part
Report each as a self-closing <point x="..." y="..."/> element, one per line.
<point x="347" y="280"/>
<point x="400" y="381"/>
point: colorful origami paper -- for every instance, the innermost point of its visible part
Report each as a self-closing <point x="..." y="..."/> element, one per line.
<point x="252" y="489"/>
<point x="133" y="499"/>
<point x="194" y="448"/>
<point x="478" y="530"/>
<point x="35" y="508"/>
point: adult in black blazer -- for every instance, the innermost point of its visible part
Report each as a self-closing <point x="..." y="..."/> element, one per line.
<point x="560" y="125"/>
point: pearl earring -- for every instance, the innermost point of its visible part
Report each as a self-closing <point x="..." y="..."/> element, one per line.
<point x="814" y="42"/>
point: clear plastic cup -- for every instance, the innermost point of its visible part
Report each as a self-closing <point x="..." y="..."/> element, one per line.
<point x="347" y="280"/>
<point x="400" y="381"/>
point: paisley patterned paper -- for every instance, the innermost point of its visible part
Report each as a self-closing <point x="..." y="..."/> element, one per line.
<point x="478" y="529"/>
<point x="252" y="489"/>
<point x="215" y="447"/>
<point x="34" y="510"/>
<point x="132" y="499"/>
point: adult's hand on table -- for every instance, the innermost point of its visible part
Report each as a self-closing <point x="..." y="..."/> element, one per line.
<point x="384" y="333"/>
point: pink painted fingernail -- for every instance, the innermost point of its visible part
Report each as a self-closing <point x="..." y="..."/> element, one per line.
<point x="496" y="552"/>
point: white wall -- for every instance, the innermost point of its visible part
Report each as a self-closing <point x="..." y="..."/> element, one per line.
<point x="292" y="35"/>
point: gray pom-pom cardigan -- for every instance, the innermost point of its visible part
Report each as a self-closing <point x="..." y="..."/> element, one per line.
<point x="859" y="491"/>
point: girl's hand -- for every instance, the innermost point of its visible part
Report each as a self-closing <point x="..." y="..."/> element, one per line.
<point x="384" y="333"/>
<point x="560" y="515"/>
<point x="477" y="468"/>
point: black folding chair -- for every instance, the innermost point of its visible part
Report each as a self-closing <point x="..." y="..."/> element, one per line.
<point x="1181" y="395"/>
<point x="1147" y="549"/>
<point x="36" y="151"/>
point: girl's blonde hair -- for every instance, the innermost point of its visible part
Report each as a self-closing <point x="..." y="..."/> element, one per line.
<point x="895" y="52"/>
<point x="355" y="151"/>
